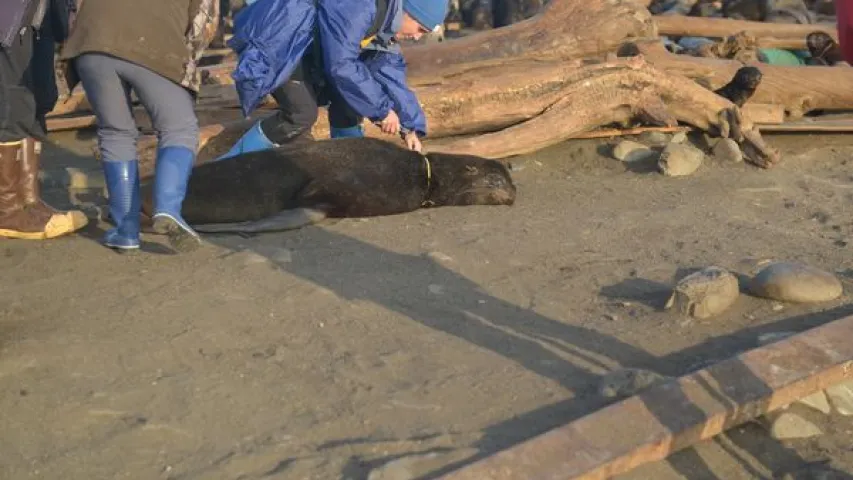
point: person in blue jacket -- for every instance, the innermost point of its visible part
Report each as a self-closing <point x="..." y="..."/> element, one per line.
<point x="340" y="53"/>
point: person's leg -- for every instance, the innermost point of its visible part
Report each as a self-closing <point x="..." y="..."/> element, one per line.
<point x="42" y="71"/>
<point x="297" y="110"/>
<point x="171" y="108"/>
<point x="219" y="39"/>
<point x="343" y="120"/>
<point x="109" y="96"/>
<point x="296" y="115"/>
<point x="19" y="216"/>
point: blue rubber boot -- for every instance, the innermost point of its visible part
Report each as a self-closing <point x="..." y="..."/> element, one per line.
<point x="122" y="179"/>
<point x="171" y="175"/>
<point x="252" y="141"/>
<point x="349" y="132"/>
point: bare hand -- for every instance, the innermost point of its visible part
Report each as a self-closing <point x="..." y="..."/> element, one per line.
<point x="391" y="123"/>
<point x="413" y="142"/>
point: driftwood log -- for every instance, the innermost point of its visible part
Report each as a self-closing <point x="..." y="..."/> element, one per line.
<point x="528" y="105"/>
<point x="771" y="35"/>
<point x="554" y="76"/>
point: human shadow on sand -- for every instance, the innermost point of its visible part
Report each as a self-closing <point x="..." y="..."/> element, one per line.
<point x="402" y="282"/>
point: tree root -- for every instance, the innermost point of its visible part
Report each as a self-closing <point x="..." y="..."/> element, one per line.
<point x="617" y="92"/>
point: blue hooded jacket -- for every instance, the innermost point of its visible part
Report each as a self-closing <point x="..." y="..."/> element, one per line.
<point x="271" y="36"/>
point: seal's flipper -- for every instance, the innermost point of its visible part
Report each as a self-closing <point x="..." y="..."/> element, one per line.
<point x="285" y="220"/>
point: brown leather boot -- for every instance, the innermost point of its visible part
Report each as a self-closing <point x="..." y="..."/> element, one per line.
<point x="29" y="189"/>
<point x="18" y="220"/>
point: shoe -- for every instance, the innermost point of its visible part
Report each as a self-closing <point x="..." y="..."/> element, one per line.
<point x="17" y="218"/>
<point x="29" y="184"/>
<point x="171" y="176"/>
<point x="349" y="132"/>
<point x="252" y="141"/>
<point x="122" y="179"/>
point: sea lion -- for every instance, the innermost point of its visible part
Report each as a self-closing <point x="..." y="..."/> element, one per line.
<point x="824" y="50"/>
<point x="742" y="86"/>
<point x="296" y="185"/>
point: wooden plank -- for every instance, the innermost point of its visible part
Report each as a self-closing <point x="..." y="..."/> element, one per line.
<point x="678" y="25"/>
<point x="841" y="124"/>
<point x="58" y="124"/>
<point x="680" y="413"/>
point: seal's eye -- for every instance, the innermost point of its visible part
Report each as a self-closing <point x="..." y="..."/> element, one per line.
<point x="472" y="170"/>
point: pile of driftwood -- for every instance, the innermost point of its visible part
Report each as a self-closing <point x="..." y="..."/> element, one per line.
<point x="581" y="68"/>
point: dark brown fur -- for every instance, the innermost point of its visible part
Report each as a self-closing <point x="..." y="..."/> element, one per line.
<point x="352" y="177"/>
<point x="742" y="86"/>
<point x="823" y="49"/>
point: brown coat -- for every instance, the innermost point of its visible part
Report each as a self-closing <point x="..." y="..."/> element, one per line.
<point x="166" y="36"/>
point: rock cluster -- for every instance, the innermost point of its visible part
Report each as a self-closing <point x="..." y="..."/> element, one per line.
<point x="674" y="155"/>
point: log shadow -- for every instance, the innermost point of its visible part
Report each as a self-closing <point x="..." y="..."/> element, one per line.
<point x="640" y="290"/>
<point x="770" y="453"/>
<point x="401" y="283"/>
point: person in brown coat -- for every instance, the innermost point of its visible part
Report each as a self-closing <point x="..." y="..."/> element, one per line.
<point x="26" y="42"/>
<point x="152" y="48"/>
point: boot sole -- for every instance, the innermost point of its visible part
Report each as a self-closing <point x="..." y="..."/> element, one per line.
<point x="59" y="225"/>
<point x="179" y="238"/>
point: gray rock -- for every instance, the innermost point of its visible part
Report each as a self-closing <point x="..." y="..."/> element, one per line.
<point x="628" y="151"/>
<point x="710" y="140"/>
<point x="705" y="293"/>
<point x="817" y="401"/>
<point x="653" y="138"/>
<point x="728" y="150"/>
<point x="628" y="382"/>
<point x="789" y="425"/>
<point x="680" y="159"/>
<point x="795" y="282"/>
<point x="841" y="397"/>
<point x="679" y="137"/>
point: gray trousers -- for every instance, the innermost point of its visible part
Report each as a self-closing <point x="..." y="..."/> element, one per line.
<point x="108" y="81"/>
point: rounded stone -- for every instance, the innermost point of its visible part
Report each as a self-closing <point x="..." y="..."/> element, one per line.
<point x="679" y="137"/>
<point x="705" y="293"/>
<point x="795" y="282"/>
<point x="629" y="151"/>
<point x="841" y="397"/>
<point x="680" y="159"/>
<point x="728" y="150"/>
<point x="653" y="138"/>
<point x="788" y="426"/>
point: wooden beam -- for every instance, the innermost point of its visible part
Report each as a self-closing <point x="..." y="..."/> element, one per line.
<point x="680" y="413"/>
<point x="827" y="124"/>
<point x="58" y="124"/>
<point x="678" y="25"/>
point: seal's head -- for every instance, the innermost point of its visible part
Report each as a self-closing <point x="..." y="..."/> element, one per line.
<point x="823" y="49"/>
<point x="748" y="78"/>
<point x="459" y="180"/>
